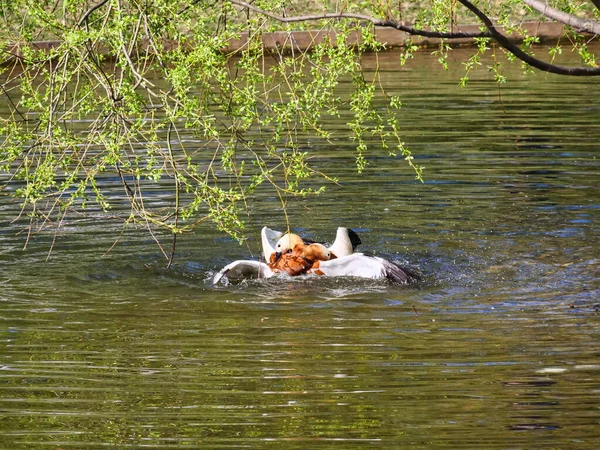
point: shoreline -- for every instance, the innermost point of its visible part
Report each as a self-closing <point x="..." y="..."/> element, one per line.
<point x="305" y="40"/>
<point x="288" y="42"/>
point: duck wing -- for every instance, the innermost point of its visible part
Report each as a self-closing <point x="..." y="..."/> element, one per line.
<point x="354" y="239"/>
<point x="346" y="241"/>
<point x="269" y="238"/>
<point x="365" y="266"/>
<point x="243" y="269"/>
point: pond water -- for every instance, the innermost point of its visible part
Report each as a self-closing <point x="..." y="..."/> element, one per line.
<point x="496" y="348"/>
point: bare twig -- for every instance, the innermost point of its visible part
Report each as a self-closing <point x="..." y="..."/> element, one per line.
<point x="415" y="310"/>
<point x="583" y="25"/>
<point x="177" y="189"/>
<point x="388" y="23"/>
<point x="12" y="103"/>
<point x="55" y="235"/>
<point x="90" y="11"/>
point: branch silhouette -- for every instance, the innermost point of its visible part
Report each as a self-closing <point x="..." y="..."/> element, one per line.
<point x="523" y="56"/>
<point x="492" y="32"/>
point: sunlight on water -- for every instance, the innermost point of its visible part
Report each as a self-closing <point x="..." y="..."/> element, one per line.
<point x="496" y="348"/>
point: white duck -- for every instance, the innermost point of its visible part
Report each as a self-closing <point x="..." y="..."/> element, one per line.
<point x="345" y="242"/>
<point x="348" y="265"/>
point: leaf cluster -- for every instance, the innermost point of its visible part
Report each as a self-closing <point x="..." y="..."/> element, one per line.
<point x="109" y="100"/>
<point x="125" y="78"/>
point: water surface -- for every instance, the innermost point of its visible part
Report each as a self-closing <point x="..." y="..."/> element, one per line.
<point x="496" y="348"/>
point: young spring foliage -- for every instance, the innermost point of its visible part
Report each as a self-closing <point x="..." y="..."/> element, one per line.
<point x="109" y="100"/>
<point x="107" y="103"/>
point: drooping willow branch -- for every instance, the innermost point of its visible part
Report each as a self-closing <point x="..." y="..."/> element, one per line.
<point x="492" y="32"/>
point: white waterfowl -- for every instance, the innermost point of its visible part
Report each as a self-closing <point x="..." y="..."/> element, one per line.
<point x="269" y="239"/>
<point x="288" y="254"/>
<point x="293" y="257"/>
<point x="352" y="265"/>
<point x="346" y="241"/>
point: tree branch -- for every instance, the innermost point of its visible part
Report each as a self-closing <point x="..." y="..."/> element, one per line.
<point x="177" y="189"/>
<point x="523" y="56"/>
<point x="492" y="32"/>
<point x="5" y="92"/>
<point x="388" y="23"/>
<point x="586" y="26"/>
<point x="90" y="11"/>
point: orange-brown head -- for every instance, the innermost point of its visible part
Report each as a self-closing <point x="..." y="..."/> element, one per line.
<point x="316" y="252"/>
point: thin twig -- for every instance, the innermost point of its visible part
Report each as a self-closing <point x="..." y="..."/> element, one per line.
<point x="177" y="189"/>
<point x="12" y="103"/>
<point x="388" y="23"/>
<point x="116" y="240"/>
<point x="90" y="11"/>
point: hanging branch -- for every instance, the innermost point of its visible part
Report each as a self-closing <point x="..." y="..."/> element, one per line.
<point x="90" y="11"/>
<point x="492" y="32"/>
<point x="523" y="56"/>
<point x="177" y="191"/>
<point x="388" y="23"/>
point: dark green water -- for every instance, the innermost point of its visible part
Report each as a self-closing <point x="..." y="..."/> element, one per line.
<point x="497" y="348"/>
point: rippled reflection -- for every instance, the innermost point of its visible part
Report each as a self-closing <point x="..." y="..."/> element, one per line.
<point x="496" y="348"/>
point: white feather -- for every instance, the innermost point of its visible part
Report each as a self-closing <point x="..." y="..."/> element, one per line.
<point x="342" y="246"/>
<point x="269" y="238"/>
<point x="242" y="269"/>
<point x="365" y="266"/>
